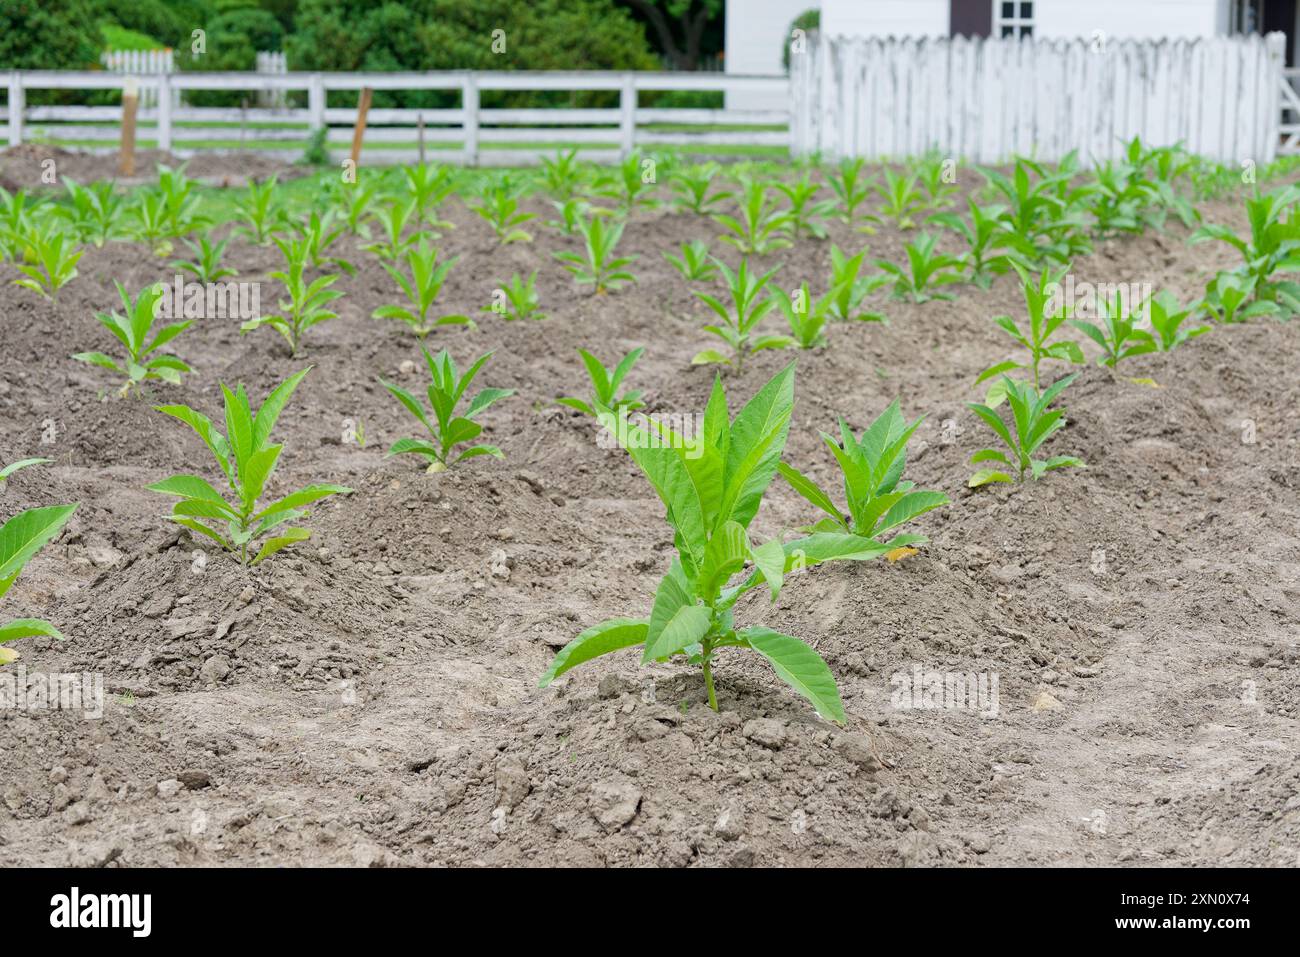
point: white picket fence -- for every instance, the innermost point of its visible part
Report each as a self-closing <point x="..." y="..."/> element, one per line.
<point x="151" y="62"/>
<point x="986" y="100"/>
<point x="467" y="133"/>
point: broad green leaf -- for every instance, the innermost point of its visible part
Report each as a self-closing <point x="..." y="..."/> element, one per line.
<point x="800" y="667"/>
<point x="608" y="636"/>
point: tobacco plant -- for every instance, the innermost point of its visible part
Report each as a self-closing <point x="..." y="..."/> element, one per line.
<point x="738" y="322"/>
<point x="318" y="234"/>
<point x="307" y="301"/>
<point x="1167" y="318"/>
<point x="871" y="467"/>
<point x="517" y="299"/>
<point x="806" y="316"/>
<point x="206" y="266"/>
<point x="498" y="205"/>
<point x="429" y="188"/>
<point x="933" y="172"/>
<point x="925" y="272"/>
<point x="712" y="487"/>
<point x="446" y="389"/>
<point x="1272" y="247"/>
<point x="1033" y="423"/>
<point x="51" y="259"/>
<point x="986" y="240"/>
<point x="605" y="383"/>
<point x="805" y="213"/>
<point x="247" y="460"/>
<point x="1230" y="298"/>
<point x="630" y="185"/>
<point x="1117" y="332"/>
<point x="597" y="266"/>
<point x="563" y="176"/>
<point x="1045" y="318"/>
<point x="849" y="290"/>
<point x="132" y="328"/>
<point x="262" y="214"/>
<point x="695" y="264"/>
<point x="692" y="184"/>
<point x="20" y="538"/>
<point x="420" y="282"/>
<point x="13" y="467"/>
<point x="901" y="202"/>
<point x="760" y="227"/>
<point x="95" y="211"/>
<point x="851" y="187"/>
<point x="392" y="222"/>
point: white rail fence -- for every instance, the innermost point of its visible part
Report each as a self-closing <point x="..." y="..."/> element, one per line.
<point x="988" y="99"/>
<point x="467" y="133"/>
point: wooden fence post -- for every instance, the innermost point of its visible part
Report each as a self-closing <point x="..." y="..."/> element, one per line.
<point x="359" y="132"/>
<point x="16" y="108"/>
<point x="130" y="104"/>
<point x="627" y="116"/>
<point x="164" y="112"/>
<point x="469" y="105"/>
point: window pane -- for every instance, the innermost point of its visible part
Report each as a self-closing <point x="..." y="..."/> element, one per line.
<point x="1027" y="10"/>
<point x="1008" y="31"/>
<point x="1027" y="31"/>
<point x="1008" y="10"/>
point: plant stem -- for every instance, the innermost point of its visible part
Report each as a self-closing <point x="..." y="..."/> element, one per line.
<point x="708" y="683"/>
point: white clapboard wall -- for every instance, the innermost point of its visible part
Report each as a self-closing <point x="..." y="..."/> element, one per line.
<point x="986" y="100"/>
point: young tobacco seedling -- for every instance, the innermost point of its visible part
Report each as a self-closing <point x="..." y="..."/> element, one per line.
<point x="599" y="267"/>
<point x="318" y="234"/>
<point x="872" y="469"/>
<point x="498" y="205"/>
<point x="429" y="188"/>
<point x="517" y="299"/>
<point x="53" y="262"/>
<point x="851" y="187"/>
<point x="1230" y="298"/>
<point x="206" y="266"/>
<point x="605" y="384"/>
<point x="848" y="291"/>
<point x="805" y="214"/>
<point x="761" y="227"/>
<point x="1116" y="332"/>
<point x="902" y="200"/>
<point x="132" y="328"/>
<point x="938" y="177"/>
<point x="448" y="429"/>
<point x="1273" y="246"/>
<point x="806" y="316"/>
<point x="572" y="211"/>
<point x="95" y="211"/>
<point x="692" y="184"/>
<point x="633" y="184"/>
<point x="986" y="239"/>
<point x="695" y="264"/>
<point x="926" y="271"/>
<point x="392" y="223"/>
<point x="1033" y="423"/>
<point x="261" y="212"/>
<point x="355" y="199"/>
<point x="420" y="283"/>
<point x="738" y="323"/>
<point x="712" y="488"/>
<point x="247" y="459"/>
<point x="20" y="538"/>
<point x="563" y="176"/>
<point x="1167" y="318"/>
<point x="1045" y="318"/>
<point x="306" y="305"/>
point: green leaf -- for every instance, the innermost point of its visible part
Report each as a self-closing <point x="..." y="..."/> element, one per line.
<point x="800" y="667"/>
<point x="23" y="535"/>
<point x="985" y="476"/>
<point x="676" y="620"/>
<point x="612" y="635"/>
<point x="27" y="628"/>
<point x="273" y="545"/>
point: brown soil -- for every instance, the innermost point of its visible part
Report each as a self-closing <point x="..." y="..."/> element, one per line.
<point x="370" y="697"/>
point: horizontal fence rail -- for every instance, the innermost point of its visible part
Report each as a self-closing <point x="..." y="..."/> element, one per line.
<point x="466" y="133"/>
<point x="989" y="99"/>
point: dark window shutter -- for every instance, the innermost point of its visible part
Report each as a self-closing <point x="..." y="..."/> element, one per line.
<point x="970" y="18"/>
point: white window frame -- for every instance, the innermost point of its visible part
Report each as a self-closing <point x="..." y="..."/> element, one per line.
<point x="1020" y="25"/>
